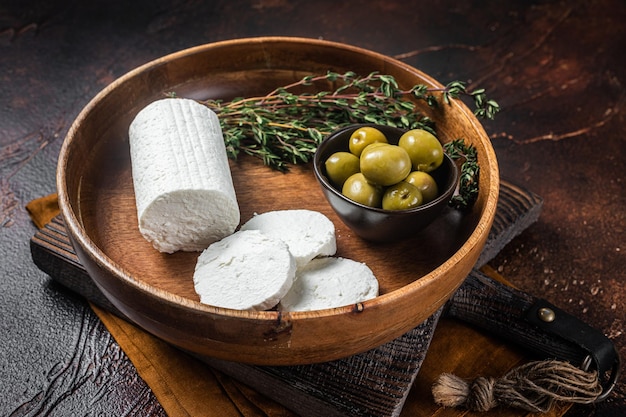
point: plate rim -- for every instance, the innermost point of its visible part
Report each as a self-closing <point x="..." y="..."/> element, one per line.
<point x="79" y="232"/>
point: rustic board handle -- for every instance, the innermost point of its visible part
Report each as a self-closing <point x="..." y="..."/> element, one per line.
<point x="535" y="325"/>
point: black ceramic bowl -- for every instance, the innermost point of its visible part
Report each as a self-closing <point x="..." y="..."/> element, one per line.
<point x="375" y="224"/>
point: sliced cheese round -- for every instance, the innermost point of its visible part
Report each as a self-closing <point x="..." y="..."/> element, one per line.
<point x="183" y="186"/>
<point x="245" y="271"/>
<point x="308" y="233"/>
<point x="330" y="282"/>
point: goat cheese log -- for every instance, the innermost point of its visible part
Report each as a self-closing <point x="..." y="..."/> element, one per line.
<point x="307" y="233"/>
<point x="330" y="282"/>
<point x="246" y="271"/>
<point x="183" y="186"/>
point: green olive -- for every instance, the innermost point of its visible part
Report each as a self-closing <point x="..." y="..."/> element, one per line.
<point x="385" y="164"/>
<point x="340" y="166"/>
<point x="425" y="183"/>
<point x="358" y="189"/>
<point x="364" y="136"/>
<point x="424" y="149"/>
<point x="401" y="196"/>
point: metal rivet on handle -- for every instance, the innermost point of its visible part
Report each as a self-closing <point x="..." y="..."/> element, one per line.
<point x="546" y="314"/>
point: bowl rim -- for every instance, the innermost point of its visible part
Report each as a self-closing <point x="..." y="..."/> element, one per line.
<point x="78" y="232"/>
<point x="317" y="169"/>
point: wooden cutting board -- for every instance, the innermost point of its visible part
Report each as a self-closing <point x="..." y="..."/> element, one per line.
<point x="374" y="383"/>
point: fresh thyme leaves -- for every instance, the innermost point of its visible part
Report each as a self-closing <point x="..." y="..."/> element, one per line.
<point x="470" y="171"/>
<point x="485" y="108"/>
<point x="286" y="125"/>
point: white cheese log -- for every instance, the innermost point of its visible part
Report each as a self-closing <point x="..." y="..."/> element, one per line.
<point x="328" y="283"/>
<point x="245" y="271"/>
<point x="183" y="186"/>
<point x="308" y="233"/>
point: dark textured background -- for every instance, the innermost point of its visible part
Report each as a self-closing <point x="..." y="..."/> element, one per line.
<point x="557" y="68"/>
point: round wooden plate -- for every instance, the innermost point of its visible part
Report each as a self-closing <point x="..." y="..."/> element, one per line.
<point x="155" y="290"/>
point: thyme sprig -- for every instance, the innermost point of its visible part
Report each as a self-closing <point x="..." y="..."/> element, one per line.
<point x="286" y="125"/>
<point x="485" y="108"/>
<point x="466" y="155"/>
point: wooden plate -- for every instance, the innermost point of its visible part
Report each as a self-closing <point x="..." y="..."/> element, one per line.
<point x="156" y="290"/>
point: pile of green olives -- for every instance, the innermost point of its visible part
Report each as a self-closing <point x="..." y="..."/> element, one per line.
<point x="379" y="174"/>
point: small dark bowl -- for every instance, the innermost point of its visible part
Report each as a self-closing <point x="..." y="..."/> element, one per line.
<point x="376" y="224"/>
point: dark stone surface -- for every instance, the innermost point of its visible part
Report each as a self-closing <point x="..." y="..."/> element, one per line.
<point x="557" y="68"/>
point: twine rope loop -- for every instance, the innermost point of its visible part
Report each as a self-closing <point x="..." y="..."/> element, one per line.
<point x="534" y="387"/>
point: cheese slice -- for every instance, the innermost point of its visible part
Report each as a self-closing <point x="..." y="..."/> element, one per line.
<point x="183" y="186"/>
<point x="328" y="283"/>
<point x="246" y="271"/>
<point x="308" y="233"/>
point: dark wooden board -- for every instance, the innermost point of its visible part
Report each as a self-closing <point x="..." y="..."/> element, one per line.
<point x="374" y="383"/>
